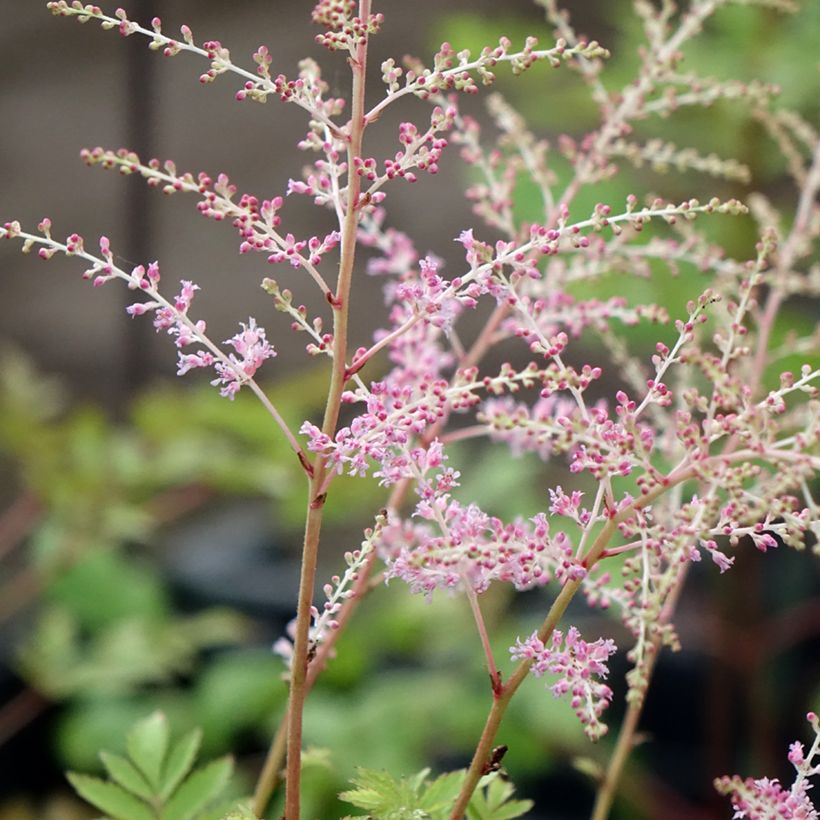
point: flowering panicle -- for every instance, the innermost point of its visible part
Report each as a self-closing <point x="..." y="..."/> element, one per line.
<point x="396" y="410"/>
<point x="233" y="370"/>
<point x="307" y="91"/>
<point x="398" y="255"/>
<point x="255" y="220"/>
<point x="661" y="156"/>
<point x="452" y="71"/>
<point x="344" y="29"/>
<point x="464" y="547"/>
<point x="764" y="798"/>
<point x="688" y="451"/>
<point x="579" y="666"/>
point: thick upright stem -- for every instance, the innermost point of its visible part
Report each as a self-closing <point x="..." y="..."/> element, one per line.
<point x="316" y="499"/>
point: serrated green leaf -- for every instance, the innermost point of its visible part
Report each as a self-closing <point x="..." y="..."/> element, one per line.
<point x="179" y="763"/>
<point x="124" y="772"/>
<point x="110" y="798"/>
<point x="147" y="744"/>
<point x="387" y="798"/>
<point x="513" y="808"/>
<point x="203" y="786"/>
<point x="442" y="792"/>
<point x="492" y="801"/>
<point x="375" y="790"/>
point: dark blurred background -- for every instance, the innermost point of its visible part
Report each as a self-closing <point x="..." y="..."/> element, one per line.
<point x="149" y="527"/>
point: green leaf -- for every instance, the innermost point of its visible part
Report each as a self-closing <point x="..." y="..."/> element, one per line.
<point x="386" y="798"/>
<point x="147" y="743"/>
<point x="110" y="798"/>
<point x="442" y="792"/>
<point x="179" y="762"/>
<point x="492" y="801"/>
<point x="203" y="786"/>
<point x="124" y="772"/>
<point x="376" y="791"/>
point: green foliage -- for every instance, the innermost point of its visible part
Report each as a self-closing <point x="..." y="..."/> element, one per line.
<point x="408" y="798"/>
<point x="493" y="801"/>
<point x="156" y="780"/>
<point x="384" y="797"/>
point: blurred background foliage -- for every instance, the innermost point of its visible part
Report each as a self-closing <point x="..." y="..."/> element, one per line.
<point x="148" y="560"/>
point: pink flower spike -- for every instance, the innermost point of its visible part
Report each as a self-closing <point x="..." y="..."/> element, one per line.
<point x="577" y="665"/>
<point x="253" y="349"/>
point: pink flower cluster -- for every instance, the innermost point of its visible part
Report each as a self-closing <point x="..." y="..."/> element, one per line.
<point x="462" y="546"/>
<point x="344" y="29"/>
<point x="579" y="666"/>
<point x="764" y="798"/>
<point x="453" y="545"/>
<point x="251" y="348"/>
<point x="555" y="424"/>
<point x="431" y="297"/>
<point x="250" y="345"/>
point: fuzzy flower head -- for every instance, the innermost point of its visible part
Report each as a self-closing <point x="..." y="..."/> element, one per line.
<point x="765" y="797"/>
<point x="251" y="349"/>
<point x="579" y="667"/>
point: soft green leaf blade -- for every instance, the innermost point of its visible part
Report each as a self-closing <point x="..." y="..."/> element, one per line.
<point x="110" y="798"/>
<point x="203" y="786"/>
<point x="124" y="772"/>
<point x="147" y="743"/>
<point x="385" y="796"/>
<point x="512" y="809"/>
<point x="376" y="791"/>
<point x="179" y="763"/>
<point x="442" y="792"/>
<point x="498" y="790"/>
<point x="492" y="801"/>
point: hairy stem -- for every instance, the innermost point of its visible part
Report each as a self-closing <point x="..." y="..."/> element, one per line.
<point x="316" y="496"/>
<point x="270" y="775"/>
